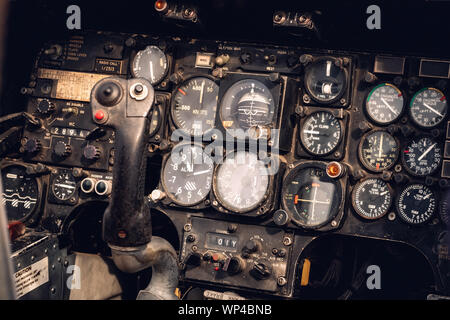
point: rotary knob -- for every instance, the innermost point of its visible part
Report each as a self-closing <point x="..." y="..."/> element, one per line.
<point x="45" y="107"/>
<point x="235" y="266"/>
<point x="91" y="152"/>
<point x="260" y="270"/>
<point x="61" y="149"/>
<point x="32" y="146"/>
<point x="251" y="246"/>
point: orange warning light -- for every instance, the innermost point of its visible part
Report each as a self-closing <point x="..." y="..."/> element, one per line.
<point x="334" y="169"/>
<point x="160" y="5"/>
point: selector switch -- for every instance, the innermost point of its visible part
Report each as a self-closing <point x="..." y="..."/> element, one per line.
<point x="62" y="149"/>
<point x="251" y="246"/>
<point x="260" y="270"/>
<point x="45" y="107"/>
<point x="91" y="152"/>
<point x="235" y="266"/>
<point x="32" y="146"/>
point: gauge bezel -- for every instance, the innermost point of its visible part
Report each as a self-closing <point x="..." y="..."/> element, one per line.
<point x="344" y="88"/>
<point x="171" y="199"/>
<point x="339" y="210"/>
<point x="360" y="155"/>
<point x="133" y="73"/>
<point x="257" y="210"/>
<point x="413" y="99"/>
<point x="27" y="220"/>
<point x="355" y="207"/>
<point x="302" y="138"/>
<point x="52" y="195"/>
<point x="397" y="203"/>
<point x="172" y="104"/>
<point x="366" y="101"/>
<point x="404" y="163"/>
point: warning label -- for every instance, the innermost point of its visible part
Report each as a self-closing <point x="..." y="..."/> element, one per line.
<point x="31" y="277"/>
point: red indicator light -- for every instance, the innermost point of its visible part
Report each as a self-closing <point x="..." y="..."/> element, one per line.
<point x="99" y="115"/>
<point x="443" y="99"/>
<point x="160" y="5"/>
<point x="216" y="268"/>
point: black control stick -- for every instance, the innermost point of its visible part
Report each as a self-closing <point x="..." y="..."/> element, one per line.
<point x="124" y="106"/>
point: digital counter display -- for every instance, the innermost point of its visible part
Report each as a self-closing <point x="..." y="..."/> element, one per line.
<point x="221" y="241"/>
<point x="69" y="132"/>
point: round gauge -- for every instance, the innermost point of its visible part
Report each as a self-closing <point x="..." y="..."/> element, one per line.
<point x="416" y="204"/>
<point x="241" y="182"/>
<point x="428" y="107"/>
<point x="384" y="104"/>
<point x="312" y="198"/>
<point x="421" y="156"/>
<point x="247" y="103"/>
<point x="155" y="122"/>
<point x="321" y="133"/>
<point x="194" y="106"/>
<point x="151" y="64"/>
<point x="64" y="185"/>
<point x="20" y="193"/>
<point x="372" y="198"/>
<point x="325" y="81"/>
<point x="378" y="151"/>
<point x="187" y="175"/>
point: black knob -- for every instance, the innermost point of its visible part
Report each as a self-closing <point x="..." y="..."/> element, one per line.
<point x="45" y="107"/>
<point x="281" y="218"/>
<point x="246" y="58"/>
<point x="32" y="146"/>
<point x="91" y="152"/>
<point x="194" y="259"/>
<point x="61" y="149"/>
<point x="251" y="246"/>
<point x="108" y="94"/>
<point x="235" y="266"/>
<point x="260" y="270"/>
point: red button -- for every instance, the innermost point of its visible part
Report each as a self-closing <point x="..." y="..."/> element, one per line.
<point x="215" y="257"/>
<point x="99" y="115"/>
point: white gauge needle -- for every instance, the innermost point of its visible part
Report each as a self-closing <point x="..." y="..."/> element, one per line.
<point x="426" y="152"/>
<point x="430" y="108"/>
<point x="200" y="172"/>
<point x="311" y="132"/>
<point x="64" y="186"/>
<point x="201" y="92"/>
<point x="151" y="71"/>
<point x="381" y="147"/>
<point x="389" y="107"/>
<point x="426" y="197"/>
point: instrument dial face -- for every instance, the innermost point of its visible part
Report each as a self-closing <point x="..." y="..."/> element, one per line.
<point x="247" y="103"/>
<point x="20" y="193"/>
<point x="241" y="182"/>
<point x="187" y="175"/>
<point x="378" y="151"/>
<point x="428" y="107"/>
<point x="64" y="185"/>
<point x="372" y="198"/>
<point x="422" y="156"/>
<point x="416" y="204"/>
<point x="194" y="106"/>
<point x="312" y="198"/>
<point x="321" y="133"/>
<point x="151" y="64"/>
<point x="384" y="104"/>
<point x="325" y="81"/>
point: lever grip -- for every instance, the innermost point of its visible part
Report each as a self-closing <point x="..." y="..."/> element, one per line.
<point x="124" y="106"/>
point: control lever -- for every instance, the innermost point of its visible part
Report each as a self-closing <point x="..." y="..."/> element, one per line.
<point x="124" y="105"/>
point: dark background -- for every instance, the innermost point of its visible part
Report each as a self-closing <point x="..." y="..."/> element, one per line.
<point x="409" y="27"/>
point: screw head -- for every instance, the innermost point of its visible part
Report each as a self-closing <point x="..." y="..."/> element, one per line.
<point x="187" y="227"/>
<point x="287" y="241"/>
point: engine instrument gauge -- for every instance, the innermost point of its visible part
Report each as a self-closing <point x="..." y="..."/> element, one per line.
<point x="325" y="81"/>
<point x="312" y="198"/>
<point x="151" y="64"/>
<point x="416" y="204"/>
<point x="241" y="182"/>
<point x="64" y="185"/>
<point x="372" y="198"/>
<point x="20" y="193"/>
<point x="378" y="151"/>
<point x="187" y="175"/>
<point x="422" y="156"/>
<point x="384" y="104"/>
<point x="194" y="106"/>
<point x="321" y="133"/>
<point x="428" y="107"/>
<point x="247" y="103"/>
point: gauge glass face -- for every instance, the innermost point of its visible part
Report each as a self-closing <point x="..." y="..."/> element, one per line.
<point x="384" y="104"/>
<point x="325" y="81"/>
<point x="20" y="193"/>
<point x="64" y="185"/>
<point x="372" y="198"/>
<point x="378" y="151"/>
<point x="187" y="175"/>
<point x="321" y="133"/>
<point x="416" y="204"/>
<point x="194" y="106"/>
<point x="241" y="182"/>
<point x="428" y="107"/>
<point x="151" y="64"/>
<point x="422" y="156"/>
<point x="246" y="104"/>
<point x="312" y="198"/>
